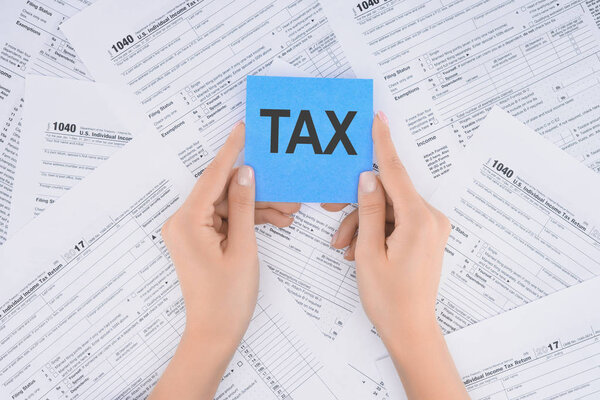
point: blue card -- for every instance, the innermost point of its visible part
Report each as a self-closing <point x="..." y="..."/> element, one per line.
<point x="308" y="139"/>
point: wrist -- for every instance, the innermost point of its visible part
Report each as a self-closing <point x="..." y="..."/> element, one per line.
<point x="196" y="368"/>
<point x="205" y="346"/>
<point x="408" y="335"/>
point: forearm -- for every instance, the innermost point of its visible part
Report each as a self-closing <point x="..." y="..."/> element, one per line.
<point x="195" y="370"/>
<point x="424" y="363"/>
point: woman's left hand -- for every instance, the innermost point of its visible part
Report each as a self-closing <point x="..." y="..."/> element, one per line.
<point x="212" y="243"/>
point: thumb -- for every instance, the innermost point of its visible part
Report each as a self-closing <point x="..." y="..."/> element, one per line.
<point x="240" y="235"/>
<point x="371" y="216"/>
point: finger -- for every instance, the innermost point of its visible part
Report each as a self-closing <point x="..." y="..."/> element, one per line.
<point x="241" y="238"/>
<point x="394" y="177"/>
<point x="285" y="208"/>
<point x="333" y="207"/>
<point x="273" y="217"/>
<point x="349" y="226"/>
<point x="346" y="231"/>
<point x="351" y="250"/>
<point x="217" y="222"/>
<point x="211" y="184"/>
<point x="222" y="240"/>
<point x="371" y="216"/>
<point x="388" y="200"/>
<point x="223" y="228"/>
<point x="221" y="208"/>
<point x="223" y="195"/>
<point x="349" y="254"/>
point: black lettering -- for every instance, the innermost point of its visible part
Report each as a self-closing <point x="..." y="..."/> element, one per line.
<point x="340" y="133"/>
<point x="304" y="119"/>
<point x="275" y="114"/>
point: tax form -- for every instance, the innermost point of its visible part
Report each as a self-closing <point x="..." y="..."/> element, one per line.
<point x="523" y="227"/>
<point x="186" y="61"/>
<point x="32" y="44"/>
<point x="548" y="349"/>
<point x="186" y="64"/>
<point x="96" y="310"/>
<point x="447" y="63"/>
<point x="64" y="138"/>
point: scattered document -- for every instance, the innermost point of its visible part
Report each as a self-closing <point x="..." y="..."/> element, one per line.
<point x="32" y="43"/>
<point x="91" y="305"/>
<point x="445" y="64"/>
<point x="522" y="228"/>
<point x="64" y="138"/>
<point x="186" y="63"/>
<point x="548" y="349"/>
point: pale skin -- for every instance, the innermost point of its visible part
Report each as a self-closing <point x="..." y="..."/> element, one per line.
<point x="398" y="251"/>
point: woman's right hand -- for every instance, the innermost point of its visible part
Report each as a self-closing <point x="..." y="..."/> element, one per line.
<point x="399" y="251"/>
<point x="398" y="271"/>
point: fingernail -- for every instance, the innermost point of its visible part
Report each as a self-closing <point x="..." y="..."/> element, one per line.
<point x="382" y="117"/>
<point x="367" y="182"/>
<point x="237" y="124"/>
<point x="347" y="253"/>
<point x="334" y="238"/>
<point x="245" y="175"/>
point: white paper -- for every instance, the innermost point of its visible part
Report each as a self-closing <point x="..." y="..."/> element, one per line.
<point x="187" y="67"/>
<point x="187" y="61"/>
<point x="192" y="58"/>
<point x="546" y="349"/>
<point x="445" y="64"/>
<point x="64" y="139"/>
<point x="91" y="305"/>
<point x="517" y="236"/>
<point x="31" y="43"/>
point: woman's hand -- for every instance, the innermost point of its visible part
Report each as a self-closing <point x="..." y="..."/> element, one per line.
<point x="399" y="250"/>
<point x="212" y="244"/>
<point x="398" y="263"/>
<point x="216" y="258"/>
